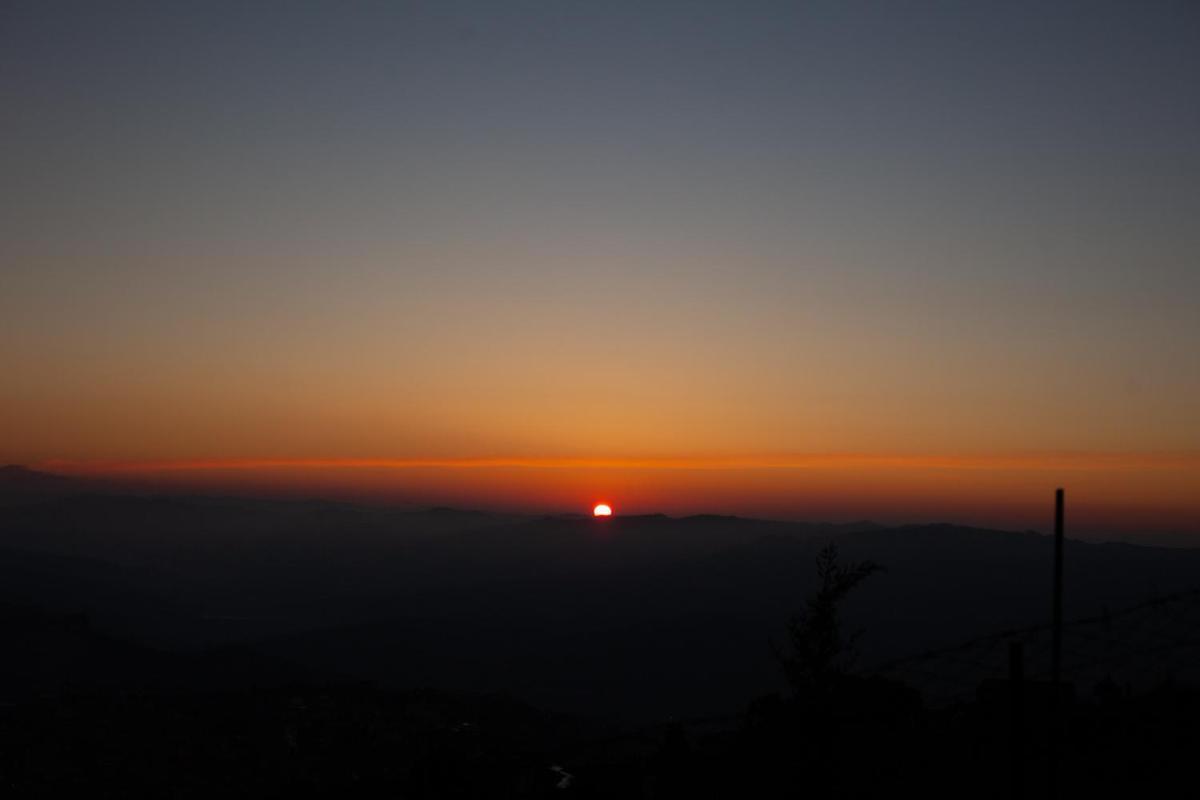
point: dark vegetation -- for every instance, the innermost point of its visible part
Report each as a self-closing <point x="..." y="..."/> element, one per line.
<point x="192" y="647"/>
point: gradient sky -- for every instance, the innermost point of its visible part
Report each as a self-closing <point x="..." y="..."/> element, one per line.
<point x="671" y="252"/>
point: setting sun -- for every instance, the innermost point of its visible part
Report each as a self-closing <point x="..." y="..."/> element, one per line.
<point x="602" y="510"/>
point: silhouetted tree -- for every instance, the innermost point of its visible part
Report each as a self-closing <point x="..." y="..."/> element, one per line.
<point x="820" y="652"/>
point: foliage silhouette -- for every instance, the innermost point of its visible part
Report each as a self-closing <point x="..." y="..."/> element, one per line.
<point x="820" y="652"/>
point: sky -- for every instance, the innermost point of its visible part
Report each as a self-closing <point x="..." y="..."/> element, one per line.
<point x="890" y="259"/>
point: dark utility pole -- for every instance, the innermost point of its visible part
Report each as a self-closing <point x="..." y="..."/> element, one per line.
<point x="1056" y="653"/>
<point x="1056" y="710"/>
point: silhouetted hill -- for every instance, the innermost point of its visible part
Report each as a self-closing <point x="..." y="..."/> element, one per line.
<point x="643" y="616"/>
<point x="573" y="624"/>
<point x="19" y="485"/>
<point x="49" y="654"/>
<point x="971" y="580"/>
<point x="127" y="601"/>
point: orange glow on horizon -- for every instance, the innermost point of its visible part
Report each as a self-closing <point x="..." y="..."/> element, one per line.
<point x="1113" y="491"/>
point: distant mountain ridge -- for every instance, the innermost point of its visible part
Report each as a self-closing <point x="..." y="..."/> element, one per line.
<point x="18" y="482"/>
<point x="639" y="614"/>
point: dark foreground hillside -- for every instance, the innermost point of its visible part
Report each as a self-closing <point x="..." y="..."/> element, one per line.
<point x="635" y="618"/>
<point x="196" y="647"/>
<point x="870" y="739"/>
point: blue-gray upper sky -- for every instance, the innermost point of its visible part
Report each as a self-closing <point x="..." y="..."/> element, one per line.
<point x="598" y="227"/>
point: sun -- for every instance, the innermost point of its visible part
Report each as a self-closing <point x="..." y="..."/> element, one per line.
<point x="602" y="510"/>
